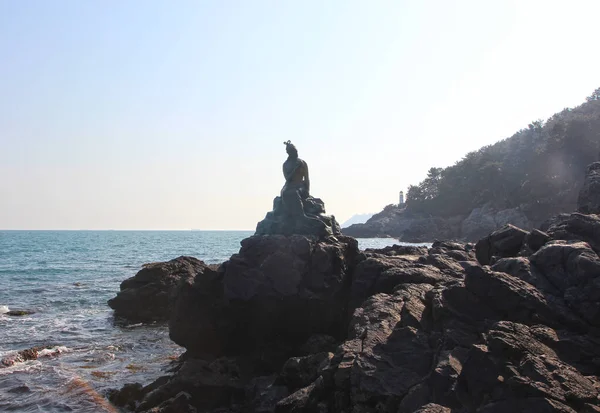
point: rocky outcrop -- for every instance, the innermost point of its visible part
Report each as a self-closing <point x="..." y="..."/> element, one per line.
<point x="413" y="227"/>
<point x="506" y="242"/>
<point x="401" y="329"/>
<point x="489" y="343"/>
<point x="302" y="325"/>
<point x="589" y="196"/>
<point x="277" y="289"/>
<point x="146" y="296"/>
<point x="407" y="227"/>
<point x="313" y="222"/>
<point x="576" y="227"/>
<point x="19" y="313"/>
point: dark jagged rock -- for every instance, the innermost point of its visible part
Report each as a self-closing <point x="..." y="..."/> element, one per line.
<point x="128" y="396"/>
<point x="516" y="300"/>
<point x="302" y="325"/>
<point x="145" y="297"/>
<point x="273" y="283"/>
<point x="535" y="240"/>
<point x="576" y="227"/>
<point x="19" y="313"/>
<point x="505" y="242"/>
<point x="526" y="405"/>
<point x="319" y="343"/>
<point x="395" y="250"/>
<point x="210" y="384"/>
<point x="589" y="195"/>
<point x="573" y="268"/>
<point x="299" y="372"/>
<point x="379" y="273"/>
<point x="181" y="403"/>
<point x="521" y="268"/>
<point x="433" y="408"/>
<point x="263" y="393"/>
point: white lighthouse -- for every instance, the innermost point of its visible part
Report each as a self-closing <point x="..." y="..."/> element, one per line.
<point x="401" y="199"/>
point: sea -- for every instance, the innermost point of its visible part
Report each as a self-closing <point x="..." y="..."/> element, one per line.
<point x="66" y="278"/>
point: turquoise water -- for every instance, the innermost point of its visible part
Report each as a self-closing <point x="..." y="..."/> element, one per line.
<point x="66" y="277"/>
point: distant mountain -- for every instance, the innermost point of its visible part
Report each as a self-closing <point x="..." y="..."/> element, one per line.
<point x="357" y="219"/>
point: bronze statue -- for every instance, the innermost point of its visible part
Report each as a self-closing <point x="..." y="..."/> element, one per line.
<point x="297" y="183"/>
<point x="295" y="211"/>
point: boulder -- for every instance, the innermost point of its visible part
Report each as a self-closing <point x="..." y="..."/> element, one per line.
<point x="299" y="372"/>
<point x="535" y="240"/>
<point x="128" y="396"/>
<point x="521" y="268"/>
<point x="387" y="352"/>
<point x="576" y="227"/>
<point x="145" y="297"/>
<point x="516" y="300"/>
<point x="208" y="384"/>
<point x="19" y="313"/>
<point x="277" y="289"/>
<point x="573" y="268"/>
<point x="505" y="242"/>
<point x="381" y="275"/>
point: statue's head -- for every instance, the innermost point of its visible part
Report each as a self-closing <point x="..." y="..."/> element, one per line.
<point x="291" y="149"/>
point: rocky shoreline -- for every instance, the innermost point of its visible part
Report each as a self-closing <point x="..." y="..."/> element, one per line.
<point x="408" y="226"/>
<point x="302" y="324"/>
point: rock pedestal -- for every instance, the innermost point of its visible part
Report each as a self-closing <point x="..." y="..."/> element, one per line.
<point x="277" y="289"/>
<point x="314" y="222"/>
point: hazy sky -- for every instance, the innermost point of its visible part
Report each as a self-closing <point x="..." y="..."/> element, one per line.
<point x="171" y="114"/>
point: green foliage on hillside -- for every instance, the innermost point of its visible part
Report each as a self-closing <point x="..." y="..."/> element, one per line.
<point x="540" y="168"/>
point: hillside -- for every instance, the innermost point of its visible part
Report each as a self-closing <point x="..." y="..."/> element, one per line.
<point x="522" y="180"/>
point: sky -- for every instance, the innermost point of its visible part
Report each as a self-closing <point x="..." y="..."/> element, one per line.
<point x="171" y="114"/>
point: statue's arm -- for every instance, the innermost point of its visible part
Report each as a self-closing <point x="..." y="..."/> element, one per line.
<point x="289" y="174"/>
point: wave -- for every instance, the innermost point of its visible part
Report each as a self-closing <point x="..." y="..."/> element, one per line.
<point x="33" y="354"/>
<point x="4" y="309"/>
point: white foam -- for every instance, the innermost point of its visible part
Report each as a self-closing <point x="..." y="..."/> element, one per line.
<point x="53" y="351"/>
<point x="4" y="309"/>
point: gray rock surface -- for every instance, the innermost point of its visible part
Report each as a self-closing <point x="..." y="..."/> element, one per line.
<point x="505" y="242"/>
<point x="146" y="296"/>
<point x="274" y="282"/>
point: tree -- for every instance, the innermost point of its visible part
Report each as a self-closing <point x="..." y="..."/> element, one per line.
<point x="550" y="157"/>
<point x="536" y="124"/>
<point x="594" y="96"/>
